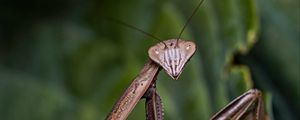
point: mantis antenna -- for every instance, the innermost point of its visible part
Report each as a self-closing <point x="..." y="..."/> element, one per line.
<point x="188" y="20"/>
<point x="140" y="30"/>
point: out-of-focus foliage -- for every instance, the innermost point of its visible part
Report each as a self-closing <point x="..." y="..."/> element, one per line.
<point x="65" y="60"/>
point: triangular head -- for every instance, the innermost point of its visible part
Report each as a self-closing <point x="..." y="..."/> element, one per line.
<point x="172" y="55"/>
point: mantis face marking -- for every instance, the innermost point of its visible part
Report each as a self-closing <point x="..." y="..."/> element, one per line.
<point x="172" y="55"/>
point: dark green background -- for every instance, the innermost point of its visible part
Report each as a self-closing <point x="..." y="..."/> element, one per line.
<point x="64" y="60"/>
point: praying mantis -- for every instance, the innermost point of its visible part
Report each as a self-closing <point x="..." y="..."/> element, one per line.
<point x="172" y="55"/>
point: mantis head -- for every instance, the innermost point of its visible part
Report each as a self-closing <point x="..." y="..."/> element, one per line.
<point x="172" y="55"/>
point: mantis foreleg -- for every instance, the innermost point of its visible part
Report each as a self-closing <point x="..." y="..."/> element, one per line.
<point x="248" y="106"/>
<point x="154" y="108"/>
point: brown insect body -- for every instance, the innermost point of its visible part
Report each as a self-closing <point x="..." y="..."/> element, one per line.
<point x="171" y="55"/>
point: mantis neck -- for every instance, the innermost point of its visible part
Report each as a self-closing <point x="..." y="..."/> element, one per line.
<point x="134" y="92"/>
